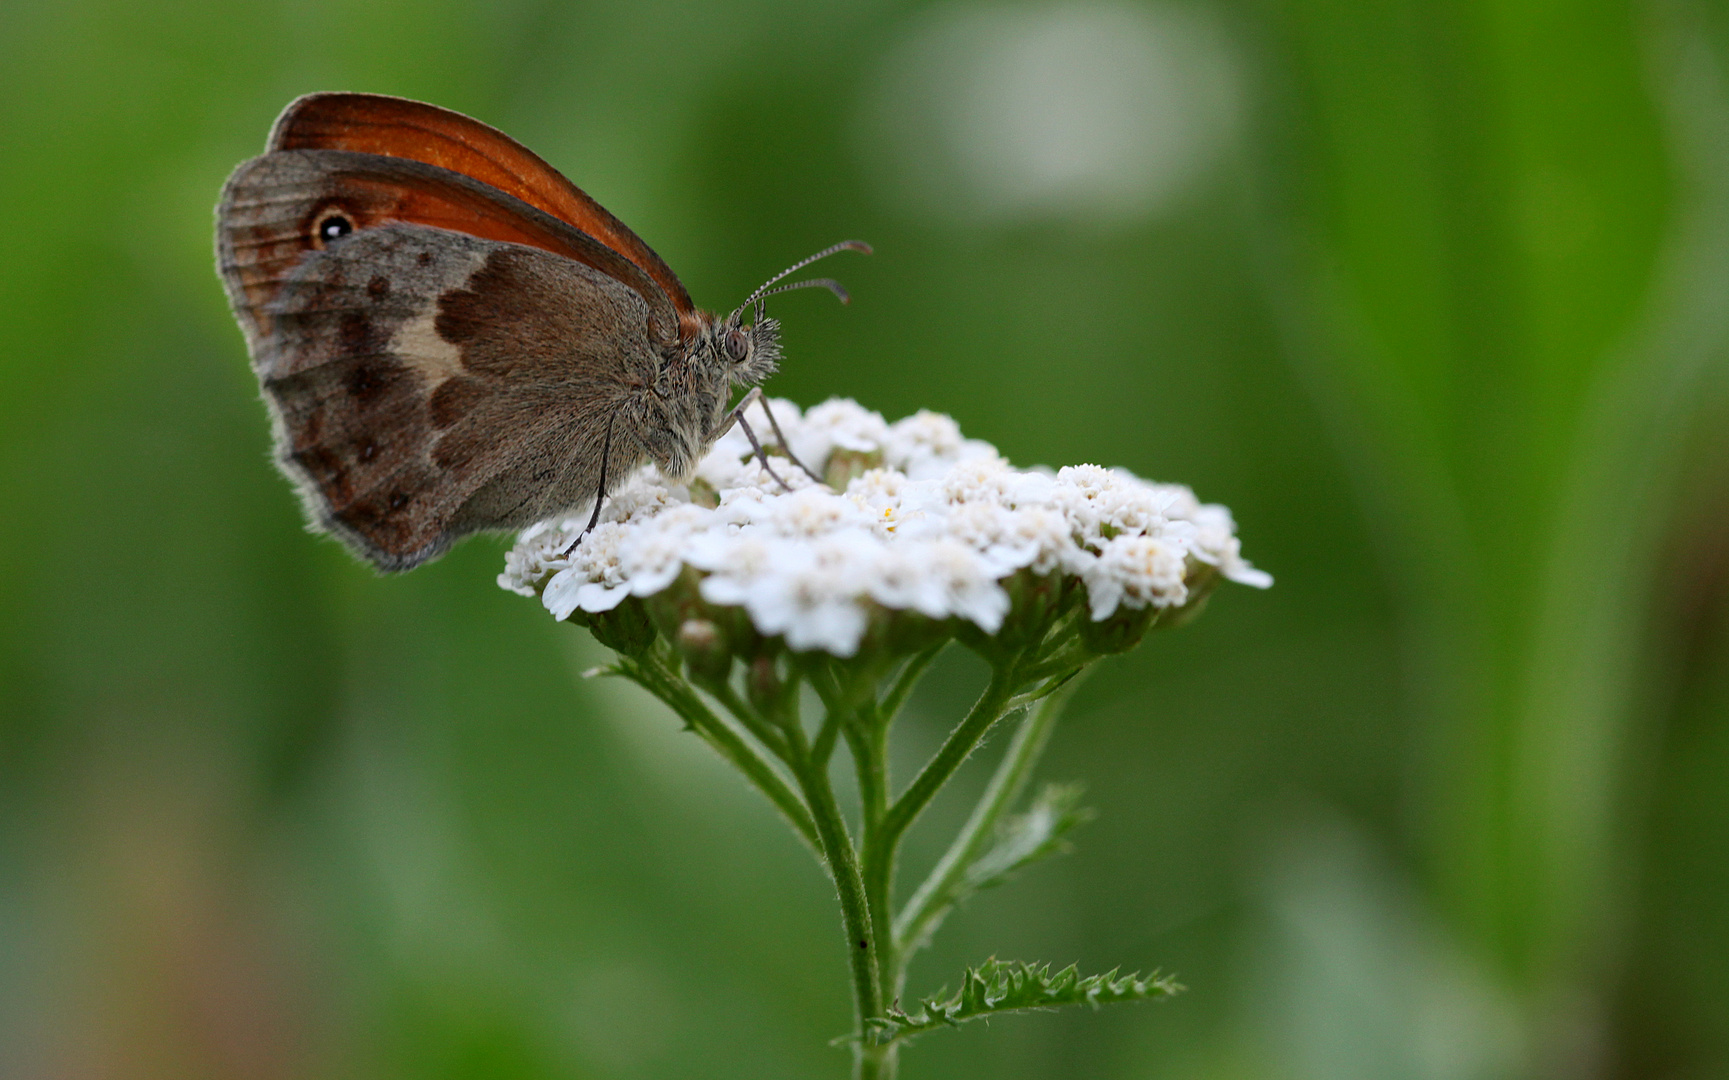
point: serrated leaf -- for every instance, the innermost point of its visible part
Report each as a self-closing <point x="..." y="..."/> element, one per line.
<point x="1026" y="838"/>
<point x="996" y="987"/>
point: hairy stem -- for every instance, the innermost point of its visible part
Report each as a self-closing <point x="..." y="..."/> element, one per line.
<point x="906" y="680"/>
<point x="752" y="721"/>
<point x="652" y="674"/>
<point x="962" y="741"/>
<point x="842" y="860"/>
<point x="931" y="902"/>
<point x="876" y="1061"/>
<point x="882" y="843"/>
<point x="868" y="740"/>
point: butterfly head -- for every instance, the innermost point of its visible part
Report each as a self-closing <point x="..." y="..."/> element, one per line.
<point x="751" y="351"/>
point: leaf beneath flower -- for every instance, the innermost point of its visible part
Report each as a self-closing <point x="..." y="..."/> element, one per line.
<point x="996" y="987"/>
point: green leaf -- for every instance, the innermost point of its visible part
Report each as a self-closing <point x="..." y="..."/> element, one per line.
<point x="996" y="987"/>
<point x="1026" y="838"/>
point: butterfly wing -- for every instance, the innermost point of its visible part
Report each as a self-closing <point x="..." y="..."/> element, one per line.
<point x="413" y="130"/>
<point x="362" y="191"/>
<point x="454" y="367"/>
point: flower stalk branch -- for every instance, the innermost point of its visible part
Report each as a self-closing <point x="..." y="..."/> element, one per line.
<point x="942" y="889"/>
<point x="652" y="674"/>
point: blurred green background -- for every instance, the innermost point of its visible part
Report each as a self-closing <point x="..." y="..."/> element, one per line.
<point x="1434" y="295"/>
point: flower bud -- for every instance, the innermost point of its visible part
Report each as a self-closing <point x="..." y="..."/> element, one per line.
<point x="902" y="633"/>
<point x="626" y="629"/>
<point x="844" y="466"/>
<point x="1119" y="632"/>
<point x="1035" y="602"/>
<point x="764" y="686"/>
<point x="704" y="648"/>
<point x="1202" y="580"/>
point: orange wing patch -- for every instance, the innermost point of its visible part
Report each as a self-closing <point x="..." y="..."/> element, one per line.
<point x="279" y="206"/>
<point x="400" y="128"/>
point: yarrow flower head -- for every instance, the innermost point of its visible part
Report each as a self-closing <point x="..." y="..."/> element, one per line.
<point x="916" y="532"/>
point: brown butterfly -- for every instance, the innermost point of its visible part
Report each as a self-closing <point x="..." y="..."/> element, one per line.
<point x="451" y="337"/>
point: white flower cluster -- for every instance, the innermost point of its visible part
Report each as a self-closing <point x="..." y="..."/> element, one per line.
<point x="929" y="522"/>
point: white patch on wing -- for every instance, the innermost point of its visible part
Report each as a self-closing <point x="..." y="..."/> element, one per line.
<point x="416" y="345"/>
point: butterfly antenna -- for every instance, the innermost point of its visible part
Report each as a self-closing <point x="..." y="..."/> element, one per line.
<point x="844" y="245"/>
<point x="830" y="284"/>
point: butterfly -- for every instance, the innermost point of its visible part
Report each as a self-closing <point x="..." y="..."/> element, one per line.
<point x="452" y="338"/>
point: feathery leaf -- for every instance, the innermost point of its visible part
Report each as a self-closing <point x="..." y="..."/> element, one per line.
<point x="996" y="987"/>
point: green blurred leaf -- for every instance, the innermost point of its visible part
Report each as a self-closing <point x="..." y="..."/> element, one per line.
<point x="1026" y="838"/>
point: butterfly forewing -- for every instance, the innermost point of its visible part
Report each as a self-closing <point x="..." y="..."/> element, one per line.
<point x="429" y="374"/>
<point x="413" y="130"/>
<point x="275" y="206"/>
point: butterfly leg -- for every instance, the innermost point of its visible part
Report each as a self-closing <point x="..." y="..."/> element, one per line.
<point x="784" y="445"/>
<point x="737" y="417"/>
<point x="599" y="492"/>
<point x="761" y="456"/>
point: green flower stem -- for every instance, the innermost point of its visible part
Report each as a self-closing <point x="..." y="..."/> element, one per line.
<point x="1045" y="688"/>
<point x="823" y="747"/>
<point x="906" y="680"/>
<point x="882" y="843"/>
<point x="652" y="673"/>
<point x="765" y="733"/>
<point x="868" y="741"/>
<point x="870" y="762"/>
<point x="878" y="944"/>
<point x="962" y="741"/>
<point x="834" y="714"/>
<point x="938" y="892"/>
<point x="823" y="679"/>
<point x="1067" y="655"/>
<point x="838" y="852"/>
<point x="851" y="711"/>
<point x="876" y="1060"/>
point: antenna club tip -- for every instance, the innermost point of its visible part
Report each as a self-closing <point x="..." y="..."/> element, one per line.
<point x="859" y="246"/>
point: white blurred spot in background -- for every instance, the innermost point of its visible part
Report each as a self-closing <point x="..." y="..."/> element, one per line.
<point x="1076" y="111"/>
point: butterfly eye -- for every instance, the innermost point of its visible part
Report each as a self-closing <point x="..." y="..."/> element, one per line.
<point x="331" y="225"/>
<point x="737" y="346"/>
